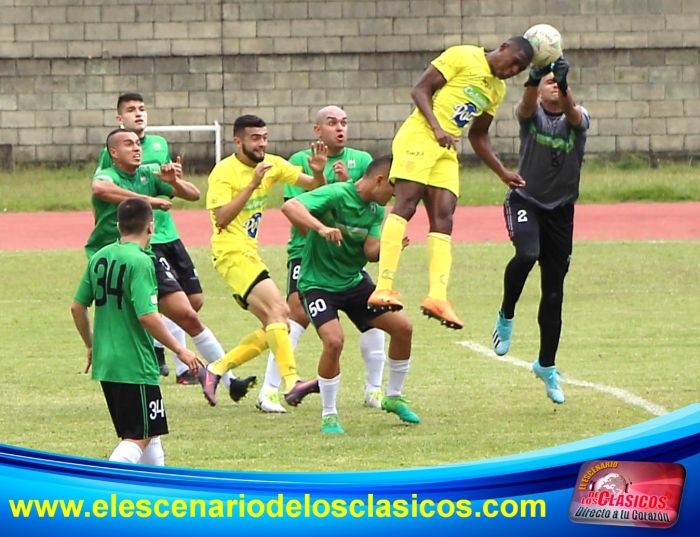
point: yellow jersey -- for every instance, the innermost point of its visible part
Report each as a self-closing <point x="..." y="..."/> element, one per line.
<point x="471" y="89"/>
<point x="228" y="178"/>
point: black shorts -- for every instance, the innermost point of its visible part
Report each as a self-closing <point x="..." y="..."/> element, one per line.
<point x="175" y="270"/>
<point x="323" y="306"/>
<point x="137" y="410"/>
<point x="242" y="300"/>
<point x="293" y="270"/>
<point x="545" y="233"/>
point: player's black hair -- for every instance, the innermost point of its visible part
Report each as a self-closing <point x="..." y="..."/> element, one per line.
<point x="133" y="216"/>
<point x="109" y="142"/>
<point x="126" y="97"/>
<point x="377" y="164"/>
<point x="243" y="122"/>
<point x="522" y="44"/>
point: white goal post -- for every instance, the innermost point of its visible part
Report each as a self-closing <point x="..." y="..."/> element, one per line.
<point x="215" y="128"/>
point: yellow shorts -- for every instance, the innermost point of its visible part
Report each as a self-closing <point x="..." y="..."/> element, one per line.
<point x="242" y="270"/>
<point x="419" y="158"/>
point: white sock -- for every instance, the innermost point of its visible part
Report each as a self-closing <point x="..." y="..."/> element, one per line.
<point x="179" y="334"/>
<point x="211" y="350"/>
<point x="126" y="452"/>
<point x="329" y="394"/>
<point x="295" y="333"/>
<point x="273" y="379"/>
<point x="153" y="454"/>
<point x="398" y="369"/>
<point x="372" y="350"/>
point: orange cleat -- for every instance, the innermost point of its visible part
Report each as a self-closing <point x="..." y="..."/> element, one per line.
<point x="442" y="311"/>
<point x="384" y="300"/>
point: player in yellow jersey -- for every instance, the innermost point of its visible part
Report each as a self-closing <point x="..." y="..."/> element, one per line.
<point x="238" y="189"/>
<point x="463" y="86"/>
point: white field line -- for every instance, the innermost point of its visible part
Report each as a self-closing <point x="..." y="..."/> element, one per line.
<point x="623" y="395"/>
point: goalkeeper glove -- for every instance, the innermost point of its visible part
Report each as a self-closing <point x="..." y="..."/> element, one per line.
<point x="560" y="68"/>
<point x="536" y="74"/>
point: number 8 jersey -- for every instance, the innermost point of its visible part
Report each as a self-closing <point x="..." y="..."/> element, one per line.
<point x="226" y="181"/>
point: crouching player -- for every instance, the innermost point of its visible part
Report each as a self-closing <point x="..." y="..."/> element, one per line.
<point x="342" y="222"/>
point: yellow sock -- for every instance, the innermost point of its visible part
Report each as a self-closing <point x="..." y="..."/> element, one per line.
<point x="439" y="264"/>
<point x="390" y="250"/>
<point x="281" y="346"/>
<point x="249" y="347"/>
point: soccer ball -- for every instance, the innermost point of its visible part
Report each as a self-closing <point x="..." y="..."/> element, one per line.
<point x="546" y="41"/>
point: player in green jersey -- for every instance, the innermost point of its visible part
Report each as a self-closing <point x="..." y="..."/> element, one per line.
<point x="125" y="179"/>
<point x="166" y="244"/>
<point x="344" y="164"/>
<point x="343" y="225"/>
<point x="120" y="279"/>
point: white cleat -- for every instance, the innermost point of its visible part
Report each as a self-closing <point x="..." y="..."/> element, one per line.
<point x="270" y="402"/>
<point x="373" y="398"/>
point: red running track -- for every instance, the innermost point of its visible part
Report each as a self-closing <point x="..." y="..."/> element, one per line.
<point x="624" y="221"/>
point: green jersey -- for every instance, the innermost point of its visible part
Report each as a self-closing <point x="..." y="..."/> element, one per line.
<point x="355" y="161"/>
<point x="325" y="265"/>
<point x="154" y="152"/>
<point x="141" y="182"/>
<point x="121" y="280"/>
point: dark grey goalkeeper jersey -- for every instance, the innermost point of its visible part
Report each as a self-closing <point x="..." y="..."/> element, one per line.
<point x="551" y="155"/>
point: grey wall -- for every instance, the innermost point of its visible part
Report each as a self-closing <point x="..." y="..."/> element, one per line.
<point x="64" y="62"/>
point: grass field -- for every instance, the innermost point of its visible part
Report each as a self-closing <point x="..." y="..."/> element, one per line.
<point x="66" y="189"/>
<point x="628" y="323"/>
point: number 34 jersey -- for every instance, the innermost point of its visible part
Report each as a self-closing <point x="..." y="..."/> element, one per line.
<point x="226" y="181"/>
<point x="121" y="280"/>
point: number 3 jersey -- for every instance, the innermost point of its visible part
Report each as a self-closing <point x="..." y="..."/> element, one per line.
<point x="121" y="280"/>
<point x="228" y="178"/>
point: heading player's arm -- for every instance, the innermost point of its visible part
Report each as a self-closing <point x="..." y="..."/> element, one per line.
<point x="301" y="218"/>
<point x="227" y="213"/>
<point x="107" y="191"/>
<point x="422" y="94"/>
<point x="481" y="143"/>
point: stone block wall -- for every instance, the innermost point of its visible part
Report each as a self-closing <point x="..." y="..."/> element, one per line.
<point x="63" y="64"/>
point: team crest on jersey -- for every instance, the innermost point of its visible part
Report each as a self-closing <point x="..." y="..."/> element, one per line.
<point x="351" y="163"/>
<point x="156" y="146"/>
<point x="409" y="165"/>
<point x="464" y="114"/>
<point x="144" y="179"/>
